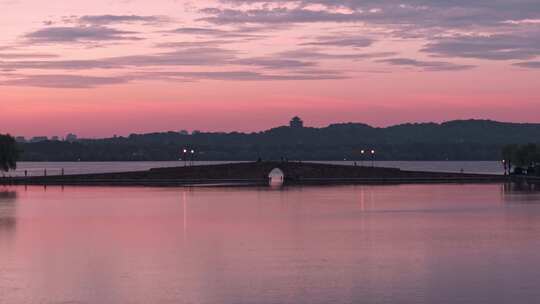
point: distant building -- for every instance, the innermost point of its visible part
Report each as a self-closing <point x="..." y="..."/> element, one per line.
<point x="20" y="139"/>
<point x="71" y="137"/>
<point x="296" y="123"/>
<point x="183" y="132"/>
<point x="55" y="138"/>
<point x="36" y="139"/>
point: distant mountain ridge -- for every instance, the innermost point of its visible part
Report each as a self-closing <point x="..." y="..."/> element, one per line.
<point x="452" y="140"/>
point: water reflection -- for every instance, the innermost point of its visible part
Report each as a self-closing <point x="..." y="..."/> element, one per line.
<point x="521" y="192"/>
<point x="7" y="211"/>
<point x="276" y="177"/>
<point x="346" y="244"/>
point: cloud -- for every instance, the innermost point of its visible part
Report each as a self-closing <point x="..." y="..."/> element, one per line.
<point x="198" y="56"/>
<point x="26" y="55"/>
<point x="493" y="47"/>
<point x="529" y="64"/>
<point x="67" y="81"/>
<point x="62" y="81"/>
<point x="9" y="2"/>
<point x="523" y="21"/>
<point x="432" y="66"/>
<point x="243" y="34"/>
<point x="117" y="19"/>
<point x="292" y="61"/>
<point x="108" y="19"/>
<point x="78" y="34"/>
<point x="274" y="16"/>
<point x="180" y="57"/>
<point x="289" y="68"/>
<point x="198" y="31"/>
<point x="193" y="44"/>
<point x="492" y="30"/>
<point x="317" y="54"/>
<point x="249" y="76"/>
<point x="58" y="64"/>
<point x="340" y="41"/>
<point x="421" y="13"/>
<point x="274" y="63"/>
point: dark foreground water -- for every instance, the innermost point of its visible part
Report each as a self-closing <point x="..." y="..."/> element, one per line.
<point x="346" y="244"/>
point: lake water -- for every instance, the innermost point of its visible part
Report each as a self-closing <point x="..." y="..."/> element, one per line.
<point x="336" y="244"/>
<point x="55" y="168"/>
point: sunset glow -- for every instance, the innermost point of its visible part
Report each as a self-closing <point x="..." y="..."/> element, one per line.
<point x="104" y="67"/>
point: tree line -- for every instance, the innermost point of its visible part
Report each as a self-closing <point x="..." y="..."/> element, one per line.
<point x="9" y="153"/>
<point x="454" y="140"/>
<point x="522" y="157"/>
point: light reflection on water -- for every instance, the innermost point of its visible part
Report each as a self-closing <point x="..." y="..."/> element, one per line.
<point x="344" y="244"/>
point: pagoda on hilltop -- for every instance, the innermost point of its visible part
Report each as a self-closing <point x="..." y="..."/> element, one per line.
<point x="296" y="123"/>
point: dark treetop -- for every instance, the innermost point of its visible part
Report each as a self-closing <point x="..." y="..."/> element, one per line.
<point x="9" y="153"/>
<point x="522" y="155"/>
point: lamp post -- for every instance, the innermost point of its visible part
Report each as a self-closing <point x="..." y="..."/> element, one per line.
<point x="184" y="156"/>
<point x="372" y="158"/>
<point x="504" y="166"/>
<point x="362" y="152"/>
<point x="192" y="155"/>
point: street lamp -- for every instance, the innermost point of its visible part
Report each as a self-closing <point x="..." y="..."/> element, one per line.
<point x="362" y="152"/>
<point x="184" y="156"/>
<point x="192" y="155"/>
<point x="373" y="158"/>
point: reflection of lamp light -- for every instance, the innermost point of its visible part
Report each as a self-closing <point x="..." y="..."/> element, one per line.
<point x="192" y="156"/>
<point x="185" y="151"/>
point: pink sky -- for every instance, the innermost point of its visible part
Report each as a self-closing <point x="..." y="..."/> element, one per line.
<point x="107" y="67"/>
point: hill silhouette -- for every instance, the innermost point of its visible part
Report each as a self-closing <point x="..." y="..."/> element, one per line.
<point x="452" y="140"/>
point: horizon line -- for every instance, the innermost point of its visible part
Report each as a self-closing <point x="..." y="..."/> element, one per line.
<point x="191" y="132"/>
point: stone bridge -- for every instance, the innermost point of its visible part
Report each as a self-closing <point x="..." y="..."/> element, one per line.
<point x="256" y="173"/>
<point x="293" y="171"/>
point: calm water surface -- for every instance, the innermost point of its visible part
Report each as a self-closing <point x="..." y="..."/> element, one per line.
<point x="345" y="244"/>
